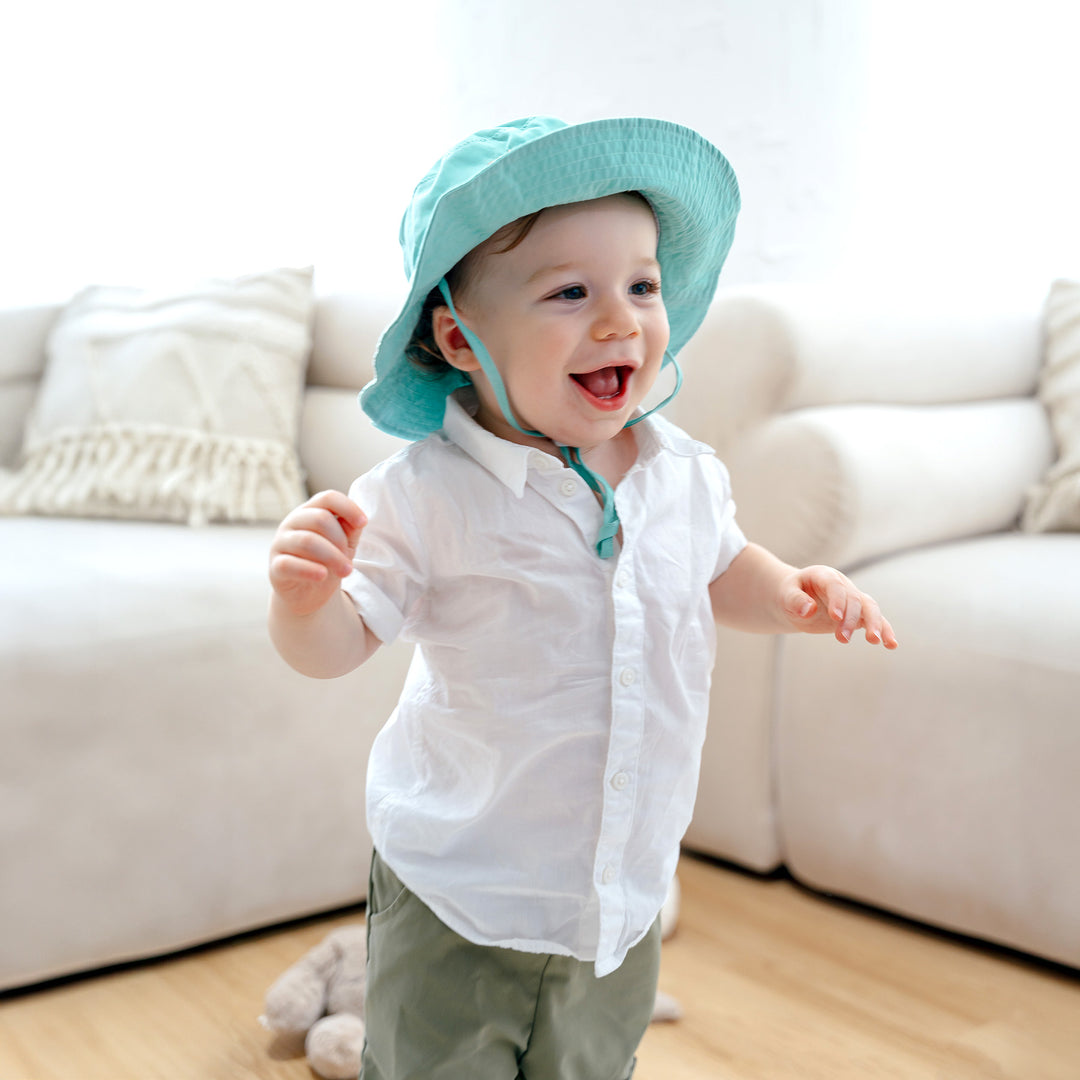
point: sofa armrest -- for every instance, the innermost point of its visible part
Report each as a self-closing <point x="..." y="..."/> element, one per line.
<point x="842" y="484"/>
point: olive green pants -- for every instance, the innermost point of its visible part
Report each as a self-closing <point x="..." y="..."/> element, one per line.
<point x="441" y="1008"/>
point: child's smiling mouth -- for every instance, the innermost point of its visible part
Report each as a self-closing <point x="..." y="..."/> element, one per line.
<point x="605" y="388"/>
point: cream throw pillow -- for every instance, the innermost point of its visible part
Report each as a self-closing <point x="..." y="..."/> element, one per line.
<point x="1054" y="505"/>
<point x="174" y="407"/>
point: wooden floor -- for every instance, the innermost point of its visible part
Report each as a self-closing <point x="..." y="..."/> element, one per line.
<point x="776" y="983"/>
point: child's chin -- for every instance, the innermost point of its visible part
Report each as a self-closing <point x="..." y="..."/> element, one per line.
<point x="593" y="435"/>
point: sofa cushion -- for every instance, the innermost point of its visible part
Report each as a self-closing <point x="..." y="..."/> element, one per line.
<point x="940" y="781"/>
<point x="165" y="777"/>
<point x="179" y="406"/>
<point x="1054" y="504"/>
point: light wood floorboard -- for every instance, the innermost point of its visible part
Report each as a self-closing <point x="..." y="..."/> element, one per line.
<point x="776" y="983"/>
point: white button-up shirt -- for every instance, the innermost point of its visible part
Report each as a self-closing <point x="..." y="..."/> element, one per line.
<point x="538" y="774"/>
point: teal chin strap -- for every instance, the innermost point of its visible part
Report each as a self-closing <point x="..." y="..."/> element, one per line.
<point x="487" y="365"/>
<point x="609" y="529"/>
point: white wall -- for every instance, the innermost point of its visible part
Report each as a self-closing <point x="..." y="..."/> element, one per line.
<point x="923" y="142"/>
<point x="883" y="140"/>
<point x="143" y="141"/>
<point x="776" y="84"/>
<point x="969" y="166"/>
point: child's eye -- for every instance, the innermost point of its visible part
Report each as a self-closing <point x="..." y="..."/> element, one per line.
<point x="571" y="292"/>
<point x="645" y="288"/>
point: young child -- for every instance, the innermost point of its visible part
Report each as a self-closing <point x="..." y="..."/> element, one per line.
<point x="558" y="558"/>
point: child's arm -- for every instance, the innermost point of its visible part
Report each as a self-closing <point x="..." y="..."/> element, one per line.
<point x="759" y="593"/>
<point x="313" y="624"/>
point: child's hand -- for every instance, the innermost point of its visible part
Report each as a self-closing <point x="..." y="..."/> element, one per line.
<point x="312" y="551"/>
<point x="820" y="600"/>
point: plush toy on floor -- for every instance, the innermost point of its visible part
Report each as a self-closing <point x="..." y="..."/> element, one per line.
<point x="322" y="996"/>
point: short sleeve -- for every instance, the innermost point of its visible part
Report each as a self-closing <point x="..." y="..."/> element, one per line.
<point x="722" y="508"/>
<point x="390" y="568"/>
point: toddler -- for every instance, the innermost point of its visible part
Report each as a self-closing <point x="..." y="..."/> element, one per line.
<point x="559" y="558"/>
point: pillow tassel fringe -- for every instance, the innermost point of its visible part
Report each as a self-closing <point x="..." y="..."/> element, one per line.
<point x="137" y="471"/>
<point x="1054" y="506"/>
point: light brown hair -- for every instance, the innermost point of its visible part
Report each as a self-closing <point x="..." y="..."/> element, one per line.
<point x="422" y="348"/>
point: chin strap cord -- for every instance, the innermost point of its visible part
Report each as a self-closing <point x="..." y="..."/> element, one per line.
<point x="487" y="365"/>
<point x="609" y="528"/>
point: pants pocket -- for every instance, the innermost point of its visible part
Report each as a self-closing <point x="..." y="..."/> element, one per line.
<point x="386" y="893"/>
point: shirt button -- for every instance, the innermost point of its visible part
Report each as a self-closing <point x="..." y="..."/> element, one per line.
<point x="628" y="676"/>
<point x="619" y="781"/>
<point x="608" y="876"/>
<point x="569" y="487"/>
<point x="621" y="578"/>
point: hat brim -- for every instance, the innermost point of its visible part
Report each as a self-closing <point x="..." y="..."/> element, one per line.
<point x="689" y="183"/>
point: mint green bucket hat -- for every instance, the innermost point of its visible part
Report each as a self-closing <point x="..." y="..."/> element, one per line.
<point x="501" y="174"/>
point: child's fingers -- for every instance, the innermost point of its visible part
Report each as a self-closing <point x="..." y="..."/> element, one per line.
<point x="877" y="627"/>
<point x="287" y="569"/>
<point x="336" y="516"/>
<point x="798" y="603"/>
<point x="348" y="513"/>
<point x="842" y="601"/>
<point x="323" y="521"/>
<point x="324" y="545"/>
<point x="851" y="616"/>
<point x="320" y="521"/>
<point x="352" y="532"/>
<point x="840" y="607"/>
<point x="872" y="620"/>
<point x="352" y="539"/>
<point x="851" y="609"/>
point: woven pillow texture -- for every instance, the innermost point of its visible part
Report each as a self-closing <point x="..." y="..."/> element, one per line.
<point x="1053" y="505"/>
<point x="180" y="406"/>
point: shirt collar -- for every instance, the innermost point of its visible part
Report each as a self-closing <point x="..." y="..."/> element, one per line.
<point x="507" y="461"/>
<point x="656" y="434"/>
<point x="510" y="462"/>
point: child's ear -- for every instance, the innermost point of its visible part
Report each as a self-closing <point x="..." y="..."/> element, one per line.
<point x="451" y="341"/>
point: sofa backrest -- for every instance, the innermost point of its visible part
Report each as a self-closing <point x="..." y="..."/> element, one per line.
<point x="337" y="440"/>
<point x="855" y="424"/>
<point x="777" y="348"/>
<point x="759" y="352"/>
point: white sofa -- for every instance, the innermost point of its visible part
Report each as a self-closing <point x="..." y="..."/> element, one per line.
<point x="897" y="438"/>
<point x="165" y="779"/>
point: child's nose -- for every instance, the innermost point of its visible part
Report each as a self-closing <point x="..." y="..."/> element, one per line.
<point x="615" y="318"/>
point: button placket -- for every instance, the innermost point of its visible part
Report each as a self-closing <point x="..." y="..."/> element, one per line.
<point x="624" y="747"/>
<point x="562" y="488"/>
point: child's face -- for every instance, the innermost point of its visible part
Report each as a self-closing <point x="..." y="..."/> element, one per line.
<point x="573" y="319"/>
